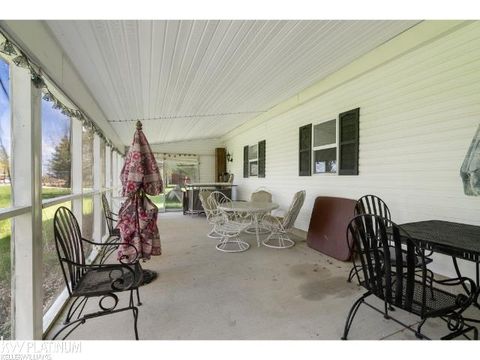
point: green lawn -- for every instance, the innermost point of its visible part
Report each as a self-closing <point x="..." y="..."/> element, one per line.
<point x="5" y="225"/>
<point x="53" y="281"/>
<point x="162" y="201"/>
<point x="5" y="231"/>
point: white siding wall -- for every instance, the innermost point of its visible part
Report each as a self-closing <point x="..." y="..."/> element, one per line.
<point x="204" y="148"/>
<point x="418" y="114"/>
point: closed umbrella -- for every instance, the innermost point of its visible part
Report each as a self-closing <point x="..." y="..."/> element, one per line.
<point x="138" y="215"/>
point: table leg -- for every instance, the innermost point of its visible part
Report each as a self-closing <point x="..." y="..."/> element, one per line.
<point x="255" y="219"/>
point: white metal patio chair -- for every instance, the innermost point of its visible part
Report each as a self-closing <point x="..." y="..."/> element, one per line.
<point x="213" y="215"/>
<point x="279" y="227"/>
<point x="231" y="225"/>
<point x="262" y="194"/>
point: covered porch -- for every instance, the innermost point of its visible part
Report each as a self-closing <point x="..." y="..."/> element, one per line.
<point x="336" y="109"/>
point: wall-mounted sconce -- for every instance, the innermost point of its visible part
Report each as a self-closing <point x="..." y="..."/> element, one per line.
<point x="229" y="157"/>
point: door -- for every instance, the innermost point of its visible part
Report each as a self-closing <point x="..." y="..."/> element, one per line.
<point x="175" y="174"/>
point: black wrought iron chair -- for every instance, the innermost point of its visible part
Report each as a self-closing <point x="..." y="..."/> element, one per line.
<point x="113" y="233"/>
<point x="110" y="217"/>
<point x="372" y="238"/>
<point x="86" y="281"/>
<point x="373" y="205"/>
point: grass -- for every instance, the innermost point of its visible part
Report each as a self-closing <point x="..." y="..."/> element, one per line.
<point x="163" y="202"/>
<point x="53" y="278"/>
<point x="47" y="218"/>
<point x="51" y="268"/>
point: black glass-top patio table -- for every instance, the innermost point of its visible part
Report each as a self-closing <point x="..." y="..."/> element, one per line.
<point x="457" y="240"/>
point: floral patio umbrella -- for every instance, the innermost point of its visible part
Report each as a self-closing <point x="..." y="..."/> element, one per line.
<point x="138" y="215"/>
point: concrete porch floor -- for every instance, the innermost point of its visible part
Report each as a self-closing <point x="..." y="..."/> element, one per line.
<point x="260" y="294"/>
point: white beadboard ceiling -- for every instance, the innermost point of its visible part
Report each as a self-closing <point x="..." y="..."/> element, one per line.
<point x="200" y="79"/>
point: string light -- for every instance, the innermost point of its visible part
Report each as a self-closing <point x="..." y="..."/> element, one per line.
<point x="171" y="117"/>
<point x="7" y="48"/>
<point x="21" y="60"/>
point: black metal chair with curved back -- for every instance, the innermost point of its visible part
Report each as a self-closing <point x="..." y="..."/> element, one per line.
<point x="113" y="233"/>
<point x="109" y="219"/>
<point x="397" y="284"/>
<point x="85" y="281"/>
<point x="373" y="205"/>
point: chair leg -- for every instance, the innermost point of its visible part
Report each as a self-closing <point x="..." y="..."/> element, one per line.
<point x="82" y="301"/>
<point x="352" y="273"/>
<point x="138" y="297"/>
<point x="213" y="234"/>
<point x="418" y="333"/>
<point x="135" y="321"/>
<point x="351" y="315"/>
<point x="135" y="313"/>
<point x="77" y="323"/>
<point x="282" y="238"/>
<point x="229" y="239"/>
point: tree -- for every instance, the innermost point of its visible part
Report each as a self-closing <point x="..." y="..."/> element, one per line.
<point x="60" y="165"/>
<point x="87" y="158"/>
<point x="4" y="163"/>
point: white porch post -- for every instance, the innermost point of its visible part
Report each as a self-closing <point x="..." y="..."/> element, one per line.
<point x="108" y="167"/>
<point x="114" y="173"/>
<point x="26" y="191"/>
<point x="77" y="183"/>
<point x="97" y="186"/>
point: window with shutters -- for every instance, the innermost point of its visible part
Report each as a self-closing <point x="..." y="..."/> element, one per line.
<point x="325" y="147"/>
<point x="254" y="159"/>
<point x="335" y="146"/>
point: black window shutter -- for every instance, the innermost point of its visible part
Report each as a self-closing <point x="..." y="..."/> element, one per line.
<point x="349" y="142"/>
<point x="245" y="161"/>
<point x="305" y="150"/>
<point x="261" y="158"/>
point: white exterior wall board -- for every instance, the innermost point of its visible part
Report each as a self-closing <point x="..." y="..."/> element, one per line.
<point x="418" y="114"/>
<point x="197" y="147"/>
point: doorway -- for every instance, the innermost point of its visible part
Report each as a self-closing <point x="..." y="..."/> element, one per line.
<point x="175" y="172"/>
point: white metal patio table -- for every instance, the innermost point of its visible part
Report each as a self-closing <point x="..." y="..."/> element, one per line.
<point x="254" y="208"/>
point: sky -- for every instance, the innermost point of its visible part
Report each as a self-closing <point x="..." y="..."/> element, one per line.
<point x="54" y="124"/>
<point x="4" y="105"/>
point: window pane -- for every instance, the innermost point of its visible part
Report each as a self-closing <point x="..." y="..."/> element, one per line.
<point x="253" y="152"/>
<point x="325" y="133"/>
<point x="253" y="168"/>
<point x="5" y="280"/>
<point x="56" y="155"/>
<point x="325" y="161"/>
<point x="53" y="281"/>
<point x="5" y="122"/>
<point x="87" y="222"/>
<point x="87" y="158"/>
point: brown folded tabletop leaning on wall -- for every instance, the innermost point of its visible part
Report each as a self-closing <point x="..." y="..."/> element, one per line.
<point x="328" y="226"/>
